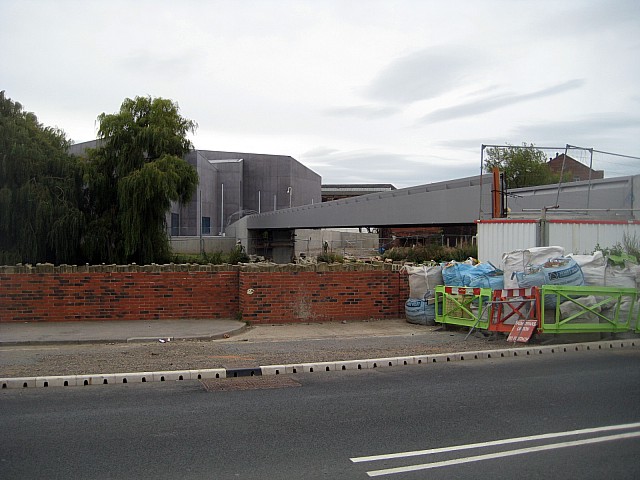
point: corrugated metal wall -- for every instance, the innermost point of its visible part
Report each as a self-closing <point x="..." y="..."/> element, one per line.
<point x="582" y="238"/>
<point x="496" y="237"/>
<point x="501" y="236"/>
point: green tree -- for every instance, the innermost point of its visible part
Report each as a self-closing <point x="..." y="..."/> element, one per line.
<point x="522" y="167"/>
<point x="132" y="178"/>
<point x="40" y="191"/>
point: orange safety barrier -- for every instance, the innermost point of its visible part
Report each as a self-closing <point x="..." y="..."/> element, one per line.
<point x="512" y="304"/>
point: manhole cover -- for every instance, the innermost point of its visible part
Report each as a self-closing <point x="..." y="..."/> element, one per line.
<point x="249" y="383"/>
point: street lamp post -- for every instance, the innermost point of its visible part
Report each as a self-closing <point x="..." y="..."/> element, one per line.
<point x="289" y="191"/>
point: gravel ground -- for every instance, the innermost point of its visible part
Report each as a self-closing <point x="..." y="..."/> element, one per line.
<point x="240" y="352"/>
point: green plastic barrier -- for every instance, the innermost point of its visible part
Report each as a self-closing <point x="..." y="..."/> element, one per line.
<point x="464" y="306"/>
<point x="588" y="309"/>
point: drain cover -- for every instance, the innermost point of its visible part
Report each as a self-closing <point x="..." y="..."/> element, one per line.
<point x="249" y="383"/>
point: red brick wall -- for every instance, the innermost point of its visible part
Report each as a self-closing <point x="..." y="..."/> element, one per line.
<point x="286" y="297"/>
<point x="56" y="297"/>
<point x="260" y="297"/>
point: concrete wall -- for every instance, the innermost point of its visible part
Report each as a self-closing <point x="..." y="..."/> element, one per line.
<point x="266" y="179"/>
<point x="207" y="244"/>
<point x="311" y="241"/>
<point x="218" y="196"/>
<point x="205" y="202"/>
<point x="233" y="184"/>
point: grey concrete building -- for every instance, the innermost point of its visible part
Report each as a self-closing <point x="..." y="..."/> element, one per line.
<point x="234" y="184"/>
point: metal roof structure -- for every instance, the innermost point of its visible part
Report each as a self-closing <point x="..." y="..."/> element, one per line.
<point x="455" y="202"/>
<point x="450" y="202"/>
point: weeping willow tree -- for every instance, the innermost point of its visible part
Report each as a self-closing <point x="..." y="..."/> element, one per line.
<point x="133" y="176"/>
<point x="40" y="191"/>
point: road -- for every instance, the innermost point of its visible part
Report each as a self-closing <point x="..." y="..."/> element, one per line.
<point x="320" y="425"/>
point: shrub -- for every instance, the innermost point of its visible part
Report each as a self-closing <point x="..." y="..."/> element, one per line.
<point x="215" y="258"/>
<point x="427" y="253"/>
<point x="330" y="258"/>
<point x="238" y="255"/>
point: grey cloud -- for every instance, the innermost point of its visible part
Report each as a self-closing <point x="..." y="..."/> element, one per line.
<point x="156" y="62"/>
<point x="595" y="16"/>
<point x="422" y="75"/>
<point x="465" y="144"/>
<point x="319" y="152"/>
<point x="584" y="128"/>
<point x="401" y="170"/>
<point x="363" y="111"/>
<point x="495" y="102"/>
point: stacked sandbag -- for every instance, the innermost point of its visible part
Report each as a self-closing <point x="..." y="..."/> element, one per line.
<point x="468" y="274"/>
<point x="621" y="277"/>
<point x="518" y="260"/>
<point x="420" y="306"/>
<point x="555" y="271"/>
<point x="582" y="315"/>
<point x="593" y="268"/>
<point x="627" y="305"/>
<point x="598" y="272"/>
<point x="539" y="266"/>
<point x="624" y="277"/>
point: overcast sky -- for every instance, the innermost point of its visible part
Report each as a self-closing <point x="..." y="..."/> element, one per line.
<point x="401" y="92"/>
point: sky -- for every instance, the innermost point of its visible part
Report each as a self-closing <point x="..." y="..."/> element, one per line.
<point x="361" y="91"/>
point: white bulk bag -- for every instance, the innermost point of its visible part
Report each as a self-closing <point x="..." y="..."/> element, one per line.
<point x="593" y="268"/>
<point x="423" y="280"/>
<point x="517" y="261"/>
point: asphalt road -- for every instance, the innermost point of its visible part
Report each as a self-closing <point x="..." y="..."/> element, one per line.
<point x="320" y="425"/>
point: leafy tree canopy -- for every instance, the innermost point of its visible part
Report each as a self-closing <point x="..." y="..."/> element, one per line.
<point x="133" y="176"/>
<point x="40" y="190"/>
<point x="522" y="167"/>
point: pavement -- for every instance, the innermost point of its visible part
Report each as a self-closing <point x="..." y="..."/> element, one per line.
<point x="52" y="333"/>
<point x="113" y="331"/>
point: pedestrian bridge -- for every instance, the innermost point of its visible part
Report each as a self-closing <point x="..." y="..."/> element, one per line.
<point x="459" y="202"/>
<point x="453" y="202"/>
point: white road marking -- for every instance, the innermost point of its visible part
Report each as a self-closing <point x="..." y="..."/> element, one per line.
<point x="505" y="441"/>
<point x="508" y="453"/>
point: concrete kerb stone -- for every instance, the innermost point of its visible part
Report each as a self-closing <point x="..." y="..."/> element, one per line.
<point x="351" y="365"/>
<point x="18" y="382"/>
<point x="293" y="368"/>
<point x="134" y="377"/>
<point x="56" y="381"/>
<point x="311" y="367"/>
<point x="208" y="373"/>
<point x="273" y="370"/>
<point x="99" y="379"/>
<point x="171" y="375"/>
<point x="319" y="367"/>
